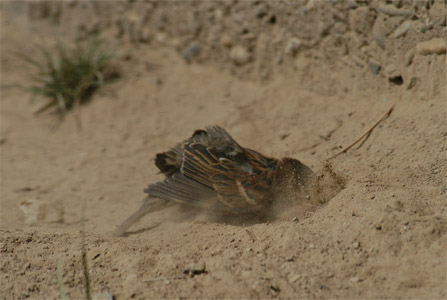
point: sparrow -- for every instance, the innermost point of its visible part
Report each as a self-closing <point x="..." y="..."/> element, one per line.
<point x="210" y="170"/>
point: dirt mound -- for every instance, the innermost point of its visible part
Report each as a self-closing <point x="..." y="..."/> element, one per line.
<point x="301" y="79"/>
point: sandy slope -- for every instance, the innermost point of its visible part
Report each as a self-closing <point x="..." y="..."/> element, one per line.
<point x="383" y="235"/>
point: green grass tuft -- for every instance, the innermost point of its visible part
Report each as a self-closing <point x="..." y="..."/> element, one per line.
<point x="59" y="280"/>
<point x="70" y="76"/>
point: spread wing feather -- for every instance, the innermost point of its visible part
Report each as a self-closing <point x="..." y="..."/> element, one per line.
<point x="232" y="183"/>
<point x="210" y="166"/>
<point x="182" y="189"/>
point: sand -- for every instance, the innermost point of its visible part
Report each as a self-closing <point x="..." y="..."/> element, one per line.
<point x="382" y="236"/>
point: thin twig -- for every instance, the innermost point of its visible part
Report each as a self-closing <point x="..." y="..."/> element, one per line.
<point x="366" y="133"/>
<point x="163" y="278"/>
<point x="339" y="251"/>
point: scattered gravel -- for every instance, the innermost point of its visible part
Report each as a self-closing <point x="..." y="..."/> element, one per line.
<point x="226" y="41"/>
<point x="292" y="46"/>
<point x="379" y="32"/>
<point x="239" y="55"/>
<point x="191" y="52"/>
<point x="195" y="269"/>
<point x="402" y="29"/>
<point x="433" y="46"/>
<point x="374" y="68"/>
<point x="392" y="10"/>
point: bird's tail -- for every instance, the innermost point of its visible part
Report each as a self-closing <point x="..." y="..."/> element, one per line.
<point x="150" y="204"/>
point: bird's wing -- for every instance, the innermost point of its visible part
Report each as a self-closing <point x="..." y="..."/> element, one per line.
<point x="182" y="189"/>
<point x="239" y="188"/>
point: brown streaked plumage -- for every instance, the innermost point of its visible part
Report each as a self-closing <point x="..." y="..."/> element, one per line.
<point x="211" y="170"/>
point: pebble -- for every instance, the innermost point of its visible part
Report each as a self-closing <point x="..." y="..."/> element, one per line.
<point x="261" y="12"/>
<point x="293" y="277"/>
<point x="379" y="32"/>
<point x="437" y="14"/>
<point x="190" y="52"/>
<point x="292" y="46"/>
<point x="409" y="57"/>
<point x="351" y="4"/>
<point x="356" y="245"/>
<point x="354" y="279"/>
<point x="195" y="268"/>
<point x="433" y="46"/>
<point x="226" y="41"/>
<point x="311" y="246"/>
<point x="275" y="288"/>
<point x="435" y="171"/>
<point x="374" y="68"/>
<point x="160" y="37"/>
<point x="103" y="296"/>
<point x="360" y="19"/>
<point x="392" y="10"/>
<point x="239" y="55"/>
<point x="295" y="219"/>
<point x="402" y="29"/>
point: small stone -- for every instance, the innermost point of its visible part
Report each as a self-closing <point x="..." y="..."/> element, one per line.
<point x="261" y="12"/>
<point x="160" y="37"/>
<point x="239" y="55"/>
<point x="355" y="279"/>
<point x="103" y="296"/>
<point x="295" y="219"/>
<point x="392" y="10"/>
<point x="275" y="288"/>
<point x="293" y="278"/>
<point x="412" y="82"/>
<point x="433" y="46"/>
<point x="374" y="68"/>
<point x="361" y="19"/>
<point x="351" y="4"/>
<point x="435" y="171"/>
<point x="378" y="227"/>
<point x="195" y="269"/>
<point x="226" y="41"/>
<point x="290" y="258"/>
<point x="379" y="32"/>
<point x="402" y="29"/>
<point x="311" y="246"/>
<point x="311" y="4"/>
<point x="292" y="46"/>
<point x="356" y="245"/>
<point x="409" y="57"/>
<point x="190" y="52"/>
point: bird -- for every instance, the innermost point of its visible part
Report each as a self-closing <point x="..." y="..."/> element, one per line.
<point x="211" y="171"/>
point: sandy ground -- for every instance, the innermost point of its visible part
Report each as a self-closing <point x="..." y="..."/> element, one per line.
<point x="382" y="236"/>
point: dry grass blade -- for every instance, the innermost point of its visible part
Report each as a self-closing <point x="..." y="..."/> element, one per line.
<point x="86" y="274"/>
<point x="366" y="134"/>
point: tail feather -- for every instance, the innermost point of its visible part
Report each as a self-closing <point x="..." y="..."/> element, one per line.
<point x="150" y="204"/>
